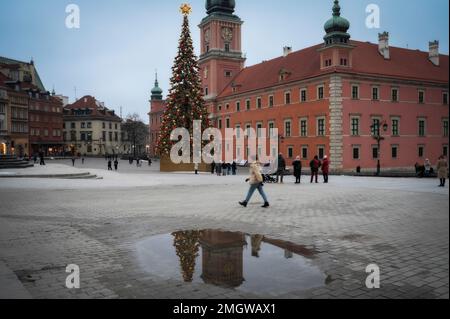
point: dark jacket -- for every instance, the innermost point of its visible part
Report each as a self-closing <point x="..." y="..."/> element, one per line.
<point x="297" y="164"/>
<point x="315" y="165"/>
<point x="281" y="163"/>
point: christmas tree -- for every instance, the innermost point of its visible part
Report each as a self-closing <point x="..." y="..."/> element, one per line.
<point x="185" y="102"/>
<point x="187" y="246"/>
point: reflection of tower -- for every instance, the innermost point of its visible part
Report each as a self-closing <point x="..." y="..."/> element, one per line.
<point x="186" y="246"/>
<point x="222" y="258"/>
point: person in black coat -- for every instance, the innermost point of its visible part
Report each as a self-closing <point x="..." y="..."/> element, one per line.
<point x="281" y="168"/>
<point x="297" y="164"/>
<point x="213" y="167"/>
<point x="234" y="168"/>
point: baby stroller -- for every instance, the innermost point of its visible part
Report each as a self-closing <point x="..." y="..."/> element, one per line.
<point x="268" y="174"/>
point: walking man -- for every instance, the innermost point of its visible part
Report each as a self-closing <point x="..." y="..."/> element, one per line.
<point x="116" y="164"/>
<point x="109" y="165"/>
<point x="256" y="183"/>
<point x="281" y="168"/>
<point x="73" y="161"/>
<point x="325" y="169"/>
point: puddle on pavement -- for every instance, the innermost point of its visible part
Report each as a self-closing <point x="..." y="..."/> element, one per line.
<point x="248" y="263"/>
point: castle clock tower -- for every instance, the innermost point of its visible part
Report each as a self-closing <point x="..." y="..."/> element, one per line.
<point x="221" y="54"/>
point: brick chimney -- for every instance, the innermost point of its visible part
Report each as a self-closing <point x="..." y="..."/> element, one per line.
<point x="383" y="45"/>
<point x="434" y="52"/>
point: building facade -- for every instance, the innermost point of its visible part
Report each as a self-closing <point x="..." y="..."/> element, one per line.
<point x="330" y="99"/>
<point x="13" y="117"/>
<point x="91" y="129"/>
<point x="4" y="119"/>
<point x="32" y="116"/>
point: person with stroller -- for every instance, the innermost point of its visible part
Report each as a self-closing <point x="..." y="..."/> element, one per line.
<point x="297" y="164"/>
<point x="315" y="165"/>
<point x="256" y="183"/>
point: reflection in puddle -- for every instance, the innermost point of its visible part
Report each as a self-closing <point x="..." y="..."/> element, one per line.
<point x="249" y="263"/>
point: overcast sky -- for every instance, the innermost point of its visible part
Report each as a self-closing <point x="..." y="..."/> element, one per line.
<point x="114" y="54"/>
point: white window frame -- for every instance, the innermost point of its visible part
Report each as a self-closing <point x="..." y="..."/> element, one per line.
<point x="324" y="126"/>
<point x="300" y="126"/>
<point x="290" y="128"/>
<point x="355" y="117"/>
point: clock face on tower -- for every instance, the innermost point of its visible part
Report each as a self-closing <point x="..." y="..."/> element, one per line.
<point x="227" y="34"/>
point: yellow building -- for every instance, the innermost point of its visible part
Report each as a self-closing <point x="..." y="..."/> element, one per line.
<point x="91" y="129"/>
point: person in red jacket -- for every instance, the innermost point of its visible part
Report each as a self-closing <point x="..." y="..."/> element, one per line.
<point x="325" y="169"/>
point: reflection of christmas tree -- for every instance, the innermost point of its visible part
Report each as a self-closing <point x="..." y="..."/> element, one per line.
<point x="187" y="245"/>
<point x="185" y="102"/>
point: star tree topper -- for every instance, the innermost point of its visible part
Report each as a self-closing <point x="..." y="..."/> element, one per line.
<point x="186" y="9"/>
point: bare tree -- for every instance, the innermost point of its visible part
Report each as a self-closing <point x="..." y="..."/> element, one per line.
<point x="136" y="133"/>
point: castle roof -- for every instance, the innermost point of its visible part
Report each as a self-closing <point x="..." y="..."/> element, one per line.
<point x="404" y="64"/>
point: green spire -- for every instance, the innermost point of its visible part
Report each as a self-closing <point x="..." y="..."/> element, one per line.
<point x="337" y="27"/>
<point x="157" y="91"/>
<point x="336" y="9"/>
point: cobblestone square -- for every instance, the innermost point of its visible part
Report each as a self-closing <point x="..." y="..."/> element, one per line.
<point x="401" y="225"/>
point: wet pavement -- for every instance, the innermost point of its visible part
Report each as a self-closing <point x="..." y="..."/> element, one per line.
<point x="111" y="228"/>
<point x="247" y="263"/>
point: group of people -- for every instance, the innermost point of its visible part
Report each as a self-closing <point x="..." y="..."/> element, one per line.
<point x="110" y="163"/>
<point x="315" y="165"/>
<point x="256" y="178"/>
<point x="427" y="170"/>
<point x="224" y="169"/>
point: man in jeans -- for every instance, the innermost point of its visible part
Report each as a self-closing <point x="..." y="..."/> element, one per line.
<point x="281" y="168"/>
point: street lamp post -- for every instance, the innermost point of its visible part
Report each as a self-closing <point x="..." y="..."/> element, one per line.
<point x="378" y="137"/>
<point x="280" y="140"/>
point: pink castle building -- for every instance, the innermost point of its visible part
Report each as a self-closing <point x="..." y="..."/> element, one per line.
<point x="334" y="98"/>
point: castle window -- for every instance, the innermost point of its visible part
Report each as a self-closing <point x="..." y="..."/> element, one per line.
<point x="247" y="105"/>
<point x="228" y="74"/>
<point x="287" y="98"/>
<point x="303" y="95"/>
<point x="259" y="103"/>
<point x="355" y="92"/>
<point x="344" y="62"/>
<point x="238" y="106"/>
<point x="206" y="91"/>
<point x="421" y="96"/>
<point x="320" y="94"/>
<point x="227" y="47"/>
<point x="445" y="98"/>
<point x="320" y="127"/>
<point x="394" y="95"/>
<point x="375" y="93"/>
<point x="271" y="101"/>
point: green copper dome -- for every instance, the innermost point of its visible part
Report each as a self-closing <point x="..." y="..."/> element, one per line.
<point x="337" y="27"/>
<point x="220" y="6"/>
<point x="157" y="91"/>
